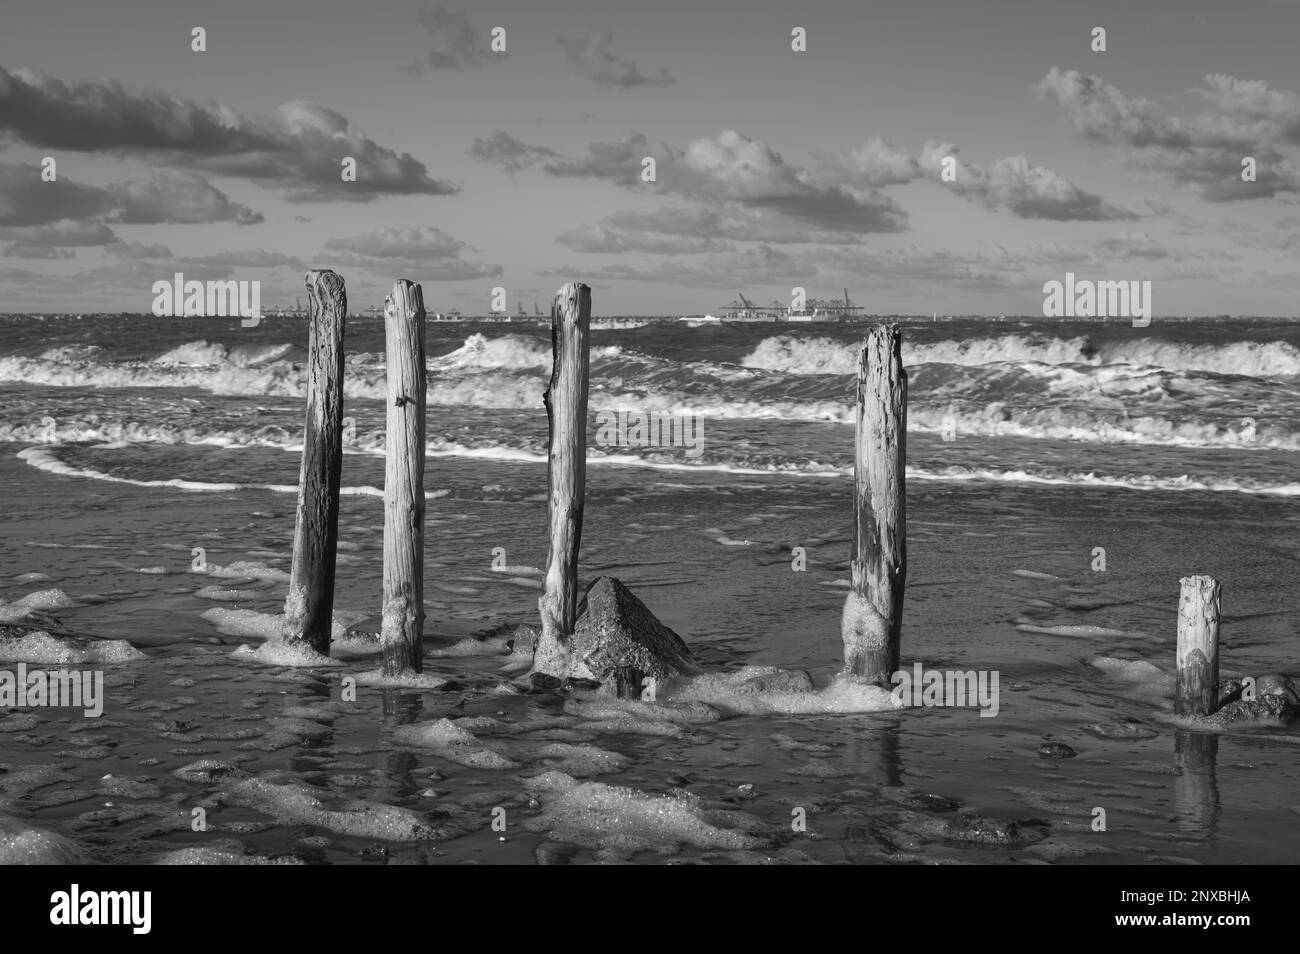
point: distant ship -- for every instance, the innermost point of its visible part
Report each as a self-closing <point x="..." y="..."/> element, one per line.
<point x="814" y="309"/>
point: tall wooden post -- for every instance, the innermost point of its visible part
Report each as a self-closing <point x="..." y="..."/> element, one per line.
<point x="402" y="631"/>
<point x="1197" y="682"/>
<point x="566" y="410"/>
<point x="309" y="608"/>
<point x="871" y="625"/>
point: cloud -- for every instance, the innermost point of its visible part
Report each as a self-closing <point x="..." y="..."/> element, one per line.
<point x="1252" y="99"/>
<point x="910" y="267"/>
<point x="137" y="250"/>
<point x="1013" y="185"/>
<point x="877" y="162"/>
<point x="455" y="43"/>
<point x="735" y="168"/>
<point x="385" y="242"/>
<point x="1205" y="151"/>
<point x="184" y="197"/>
<point x="298" y="149"/>
<point x="245" y="258"/>
<point x="684" y="230"/>
<point x="508" y="152"/>
<point x="729" y="221"/>
<point x="606" y="240"/>
<point x="26" y="200"/>
<point x="54" y="240"/>
<point x="590" y="56"/>
<point x="423" y="253"/>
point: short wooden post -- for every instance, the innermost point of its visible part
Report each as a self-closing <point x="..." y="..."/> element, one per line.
<point x="1197" y="683"/>
<point x="309" y="607"/>
<point x="566" y="410"/>
<point x="871" y="625"/>
<point x="402" y="632"/>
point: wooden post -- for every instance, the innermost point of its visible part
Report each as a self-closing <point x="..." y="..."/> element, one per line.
<point x="871" y="625"/>
<point x="402" y="632"/>
<point x="309" y="607"/>
<point x="1197" y="685"/>
<point x="566" y="410"/>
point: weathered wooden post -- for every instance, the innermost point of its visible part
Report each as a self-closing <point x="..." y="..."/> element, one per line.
<point x="566" y="410"/>
<point x="1197" y="682"/>
<point x="871" y="625"/>
<point x="402" y="631"/>
<point x="309" y="607"/>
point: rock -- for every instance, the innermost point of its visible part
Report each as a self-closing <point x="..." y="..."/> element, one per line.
<point x="974" y="829"/>
<point x="926" y="802"/>
<point x="1275" y="684"/>
<point x="620" y="644"/>
<point x="1056" y="750"/>
<point x="207" y="771"/>
<point x="1271" y="709"/>
<point x="543" y="682"/>
<point x="746" y="790"/>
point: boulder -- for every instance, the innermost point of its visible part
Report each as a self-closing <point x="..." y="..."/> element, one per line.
<point x="1275" y="703"/>
<point x="619" y="643"/>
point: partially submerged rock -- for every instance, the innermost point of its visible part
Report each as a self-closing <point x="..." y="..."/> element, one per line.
<point x="1056" y="750"/>
<point x="620" y="644"/>
<point x="1275" y="702"/>
<point x="972" y="829"/>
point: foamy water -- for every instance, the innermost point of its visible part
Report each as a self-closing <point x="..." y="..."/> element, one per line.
<point x="132" y="442"/>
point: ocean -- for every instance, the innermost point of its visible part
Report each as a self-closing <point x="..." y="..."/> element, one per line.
<point x="1062" y="477"/>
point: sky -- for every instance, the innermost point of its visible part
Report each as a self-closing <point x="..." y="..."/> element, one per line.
<point x="774" y="168"/>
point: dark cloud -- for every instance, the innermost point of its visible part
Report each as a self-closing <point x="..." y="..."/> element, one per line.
<point x="169" y="197"/>
<point x="26" y="200"/>
<point x="298" y="149"/>
<point x="591" y="56"/>
<point x="184" y="197"/>
<point x="54" y="240"/>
